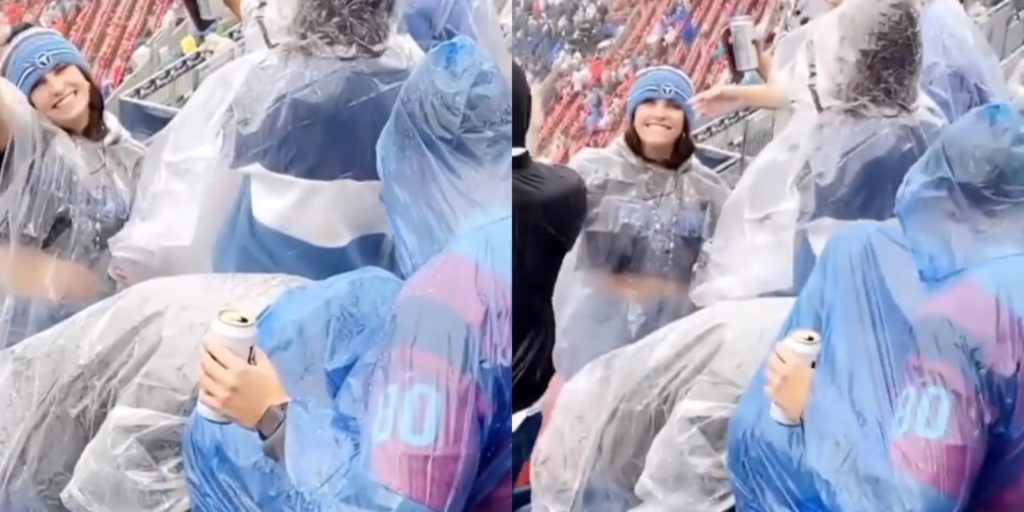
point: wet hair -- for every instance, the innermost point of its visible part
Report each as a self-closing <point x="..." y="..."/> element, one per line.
<point x="681" y="153"/>
<point x="889" y="70"/>
<point x="96" y="129"/>
<point x="362" y="26"/>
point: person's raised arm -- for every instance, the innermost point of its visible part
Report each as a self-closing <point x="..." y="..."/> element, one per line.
<point x="235" y="6"/>
<point x="726" y="99"/>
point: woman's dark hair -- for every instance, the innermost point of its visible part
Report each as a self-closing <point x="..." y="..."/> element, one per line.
<point x="96" y="129"/>
<point x="682" y="152"/>
<point x="17" y="29"/>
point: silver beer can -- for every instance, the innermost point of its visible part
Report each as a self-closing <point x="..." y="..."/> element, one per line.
<point x="744" y="47"/>
<point x="237" y="331"/>
<point x="807" y="345"/>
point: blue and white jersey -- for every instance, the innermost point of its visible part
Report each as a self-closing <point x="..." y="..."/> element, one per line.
<point x="310" y="204"/>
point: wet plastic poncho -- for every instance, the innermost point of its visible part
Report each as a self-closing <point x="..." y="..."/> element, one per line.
<point x="960" y="71"/>
<point x="271" y="166"/>
<point x="856" y="129"/>
<point x="630" y="271"/>
<point x="414" y="409"/>
<point x="431" y="22"/>
<point x="61" y="199"/>
<point x="643" y="427"/>
<point x="94" y="408"/>
<point x="915" y="402"/>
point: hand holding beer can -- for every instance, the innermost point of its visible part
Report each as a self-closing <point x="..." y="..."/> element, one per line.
<point x="807" y="345"/>
<point x="237" y="331"/>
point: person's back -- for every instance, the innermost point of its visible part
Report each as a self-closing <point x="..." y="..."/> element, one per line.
<point x="858" y="123"/>
<point x="913" y="404"/>
<point x="309" y="206"/>
<point x="960" y="69"/>
<point x="549" y="207"/>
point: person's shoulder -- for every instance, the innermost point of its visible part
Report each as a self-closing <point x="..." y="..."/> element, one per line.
<point x="856" y="237"/>
<point x="547" y="182"/>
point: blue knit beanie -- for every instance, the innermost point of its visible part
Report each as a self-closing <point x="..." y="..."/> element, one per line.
<point x="34" y="53"/>
<point x="662" y="83"/>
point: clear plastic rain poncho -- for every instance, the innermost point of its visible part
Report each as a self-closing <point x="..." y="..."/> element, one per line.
<point x="630" y="270"/>
<point x="960" y="71"/>
<point x="61" y="199"/>
<point x="431" y="22"/>
<point x="915" y="401"/>
<point x="412" y="408"/>
<point x="271" y="165"/>
<point x="858" y="125"/>
<point x="95" y="408"/>
<point x="643" y="428"/>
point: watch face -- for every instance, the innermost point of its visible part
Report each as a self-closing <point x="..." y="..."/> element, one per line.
<point x="271" y="420"/>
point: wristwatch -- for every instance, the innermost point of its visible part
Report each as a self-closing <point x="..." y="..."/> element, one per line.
<point x="272" y="420"/>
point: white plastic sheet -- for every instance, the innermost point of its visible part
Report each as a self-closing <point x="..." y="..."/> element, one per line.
<point x="96" y="406"/>
<point x="643" y="428"/>
<point x="960" y="71"/>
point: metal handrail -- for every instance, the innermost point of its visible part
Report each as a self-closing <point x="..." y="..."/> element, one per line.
<point x="186" y="69"/>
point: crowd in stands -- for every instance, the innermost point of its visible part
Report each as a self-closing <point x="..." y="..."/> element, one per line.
<point x="107" y="31"/>
<point x="582" y="58"/>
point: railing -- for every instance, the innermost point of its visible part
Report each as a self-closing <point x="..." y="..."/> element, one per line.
<point x="148" y="106"/>
<point x="163" y="44"/>
<point x="179" y="78"/>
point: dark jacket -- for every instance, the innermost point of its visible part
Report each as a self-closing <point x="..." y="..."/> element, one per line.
<point x="550" y="205"/>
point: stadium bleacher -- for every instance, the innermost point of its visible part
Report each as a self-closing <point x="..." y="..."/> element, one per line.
<point x="700" y="58"/>
<point x="107" y="31"/>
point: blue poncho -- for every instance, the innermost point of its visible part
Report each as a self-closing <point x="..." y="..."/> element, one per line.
<point x="915" y="401"/>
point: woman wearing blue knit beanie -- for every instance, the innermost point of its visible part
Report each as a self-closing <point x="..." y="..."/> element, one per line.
<point x="651" y="206"/>
<point x="67" y="183"/>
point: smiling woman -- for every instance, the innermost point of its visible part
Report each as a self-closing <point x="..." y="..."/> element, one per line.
<point x="659" y="130"/>
<point x="67" y="183"/>
<point x="651" y="205"/>
<point x="54" y="76"/>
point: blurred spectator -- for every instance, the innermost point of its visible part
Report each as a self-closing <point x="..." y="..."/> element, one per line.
<point x="549" y="209"/>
